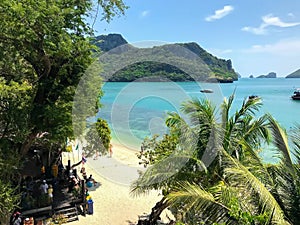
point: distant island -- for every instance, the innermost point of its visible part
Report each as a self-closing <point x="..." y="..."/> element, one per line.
<point x="269" y="75"/>
<point x="211" y="68"/>
<point x="295" y="74"/>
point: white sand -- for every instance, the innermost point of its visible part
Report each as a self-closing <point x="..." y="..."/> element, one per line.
<point x="113" y="204"/>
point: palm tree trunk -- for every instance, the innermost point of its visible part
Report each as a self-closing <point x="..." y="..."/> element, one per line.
<point x="155" y="213"/>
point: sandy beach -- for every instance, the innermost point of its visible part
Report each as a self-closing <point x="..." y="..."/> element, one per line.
<point x="113" y="204"/>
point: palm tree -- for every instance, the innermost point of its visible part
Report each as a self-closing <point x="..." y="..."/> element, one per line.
<point x="208" y="145"/>
<point x="286" y="174"/>
<point x="267" y="194"/>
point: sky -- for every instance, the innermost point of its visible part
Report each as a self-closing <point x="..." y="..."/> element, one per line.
<point x="259" y="36"/>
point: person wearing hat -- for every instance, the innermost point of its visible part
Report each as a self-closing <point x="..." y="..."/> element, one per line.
<point x="44" y="187"/>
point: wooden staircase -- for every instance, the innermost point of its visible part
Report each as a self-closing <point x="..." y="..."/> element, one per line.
<point x="70" y="213"/>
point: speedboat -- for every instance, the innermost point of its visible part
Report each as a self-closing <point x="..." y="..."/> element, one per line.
<point x="206" y="91"/>
<point x="296" y="95"/>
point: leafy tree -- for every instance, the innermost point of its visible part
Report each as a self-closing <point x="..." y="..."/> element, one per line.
<point x="98" y="138"/>
<point x="154" y="150"/>
<point x="9" y="200"/>
<point x="104" y="133"/>
<point x="45" y="50"/>
<point x="45" y="44"/>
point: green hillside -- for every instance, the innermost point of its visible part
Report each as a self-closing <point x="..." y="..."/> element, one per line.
<point x="175" y="62"/>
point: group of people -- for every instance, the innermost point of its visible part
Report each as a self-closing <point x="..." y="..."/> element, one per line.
<point x="90" y="181"/>
<point x="36" y="193"/>
<point x="73" y="183"/>
<point x="47" y="190"/>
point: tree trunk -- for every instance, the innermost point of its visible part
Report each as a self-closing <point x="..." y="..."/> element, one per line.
<point x="27" y="144"/>
<point x="155" y="213"/>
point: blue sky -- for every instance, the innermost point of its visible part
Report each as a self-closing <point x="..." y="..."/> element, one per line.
<point x="259" y="36"/>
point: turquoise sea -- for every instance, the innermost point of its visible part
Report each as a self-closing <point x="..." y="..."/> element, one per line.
<point x="138" y="109"/>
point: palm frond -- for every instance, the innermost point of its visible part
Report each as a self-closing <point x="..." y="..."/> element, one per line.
<point x="281" y="142"/>
<point x="199" y="111"/>
<point x="225" y="107"/>
<point x="295" y="135"/>
<point x="159" y="175"/>
<point x="193" y="198"/>
<point x="256" y="130"/>
<point x="239" y="176"/>
<point x="173" y="120"/>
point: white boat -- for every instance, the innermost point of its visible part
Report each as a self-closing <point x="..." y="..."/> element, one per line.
<point x="296" y="95"/>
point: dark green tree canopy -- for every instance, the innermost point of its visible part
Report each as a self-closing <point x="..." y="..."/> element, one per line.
<point x="45" y="49"/>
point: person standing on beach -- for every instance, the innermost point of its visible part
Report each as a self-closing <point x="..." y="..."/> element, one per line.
<point x="96" y="155"/>
<point x="110" y="150"/>
<point x="44" y="188"/>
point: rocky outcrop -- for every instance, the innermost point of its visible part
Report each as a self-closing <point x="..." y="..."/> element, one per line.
<point x="269" y="75"/>
<point x="108" y="42"/>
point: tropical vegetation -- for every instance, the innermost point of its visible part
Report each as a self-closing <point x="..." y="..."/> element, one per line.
<point x="215" y="175"/>
<point x="162" y="63"/>
<point x="45" y="49"/>
<point x="98" y="138"/>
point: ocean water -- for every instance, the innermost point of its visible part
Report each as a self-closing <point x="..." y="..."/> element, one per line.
<point x="135" y="110"/>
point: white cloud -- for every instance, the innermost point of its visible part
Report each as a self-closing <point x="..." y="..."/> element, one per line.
<point x="291" y="15"/>
<point x="255" y="30"/>
<point x="220" y="13"/>
<point x="269" y="20"/>
<point x="144" y="13"/>
<point x="283" y="47"/>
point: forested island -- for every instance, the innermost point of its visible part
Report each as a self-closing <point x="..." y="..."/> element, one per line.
<point x="212" y="68"/>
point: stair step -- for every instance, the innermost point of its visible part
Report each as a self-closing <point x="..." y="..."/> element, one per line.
<point x="73" y="219"/>
<point x="72" y="209"/>
<point x="71" y="214"/>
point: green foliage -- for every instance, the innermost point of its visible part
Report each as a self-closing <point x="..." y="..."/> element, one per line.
<point x="45" y="49"/>
<point x="150" y="69"/>
<point x="98" y="138"/>
<point x="104" y="133"/>
<point x="154" y="150"/>
<point x="237" y="187"/>
<point x="9" y="200"/>
<point x="14" y="107"/>
<point x="46" y="45"/>
<point x="176" y="62"/>
<point x="86" y="99"/>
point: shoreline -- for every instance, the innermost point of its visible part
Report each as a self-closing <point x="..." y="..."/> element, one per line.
<point x="113" y="203"/>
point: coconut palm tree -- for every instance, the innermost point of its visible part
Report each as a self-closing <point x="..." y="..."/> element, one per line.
<point x="206" y="143"/>
<point x="267" y="194"/>
<point x="286" y="174"/>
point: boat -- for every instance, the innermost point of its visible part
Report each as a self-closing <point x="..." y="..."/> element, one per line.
<point x="296" y="95"/>
<point x="206" y="91"/>
<point x="253" y="97"/>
